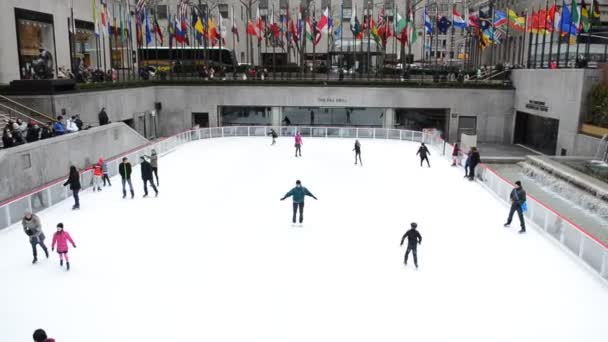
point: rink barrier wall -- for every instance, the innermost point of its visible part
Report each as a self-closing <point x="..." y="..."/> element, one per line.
<point x="574" y="238"/>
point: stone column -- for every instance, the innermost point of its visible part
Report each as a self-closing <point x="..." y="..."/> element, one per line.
<point x="389" y="118"/>
<point x="275" y="116"/>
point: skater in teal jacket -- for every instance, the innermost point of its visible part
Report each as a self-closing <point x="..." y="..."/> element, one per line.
<point x="298" y="194"/>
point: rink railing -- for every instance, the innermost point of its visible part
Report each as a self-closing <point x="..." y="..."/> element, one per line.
<point x="576" y="239"/>
<point x="588" y="248"/>
<point x="11" y="211"/>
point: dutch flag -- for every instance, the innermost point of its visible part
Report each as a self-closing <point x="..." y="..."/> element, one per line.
<point x="458" y="21"/>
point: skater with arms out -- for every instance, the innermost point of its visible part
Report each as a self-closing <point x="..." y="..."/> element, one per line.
<point x="413" y="240"/>
<point x="298" y="193"/>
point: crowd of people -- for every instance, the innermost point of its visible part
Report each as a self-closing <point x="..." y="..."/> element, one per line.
<point x="19" y="132"/>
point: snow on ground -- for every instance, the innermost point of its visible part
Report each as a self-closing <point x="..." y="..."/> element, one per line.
<point x="215" y="257"/>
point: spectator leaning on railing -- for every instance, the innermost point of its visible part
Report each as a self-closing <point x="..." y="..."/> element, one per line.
<point x="58" y="127"/>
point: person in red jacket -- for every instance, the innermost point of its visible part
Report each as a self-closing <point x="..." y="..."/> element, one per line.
<point x="61" y="239"/>
<point x="97" y="175"/>
<point x="455" y="153"/>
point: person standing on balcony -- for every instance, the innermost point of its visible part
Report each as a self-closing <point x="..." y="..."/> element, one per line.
<point x="58" y="127"/>
<point x="33" y="229"/>
<point x="298" y="145"/>
<point x="33" y="132"/>
<point x="312" y="117"/>
<point x="473" y="162"/>
<point x="423" y="152"/>
<point x="413" y="240"/>
<point x="124" y="170"/>
<point x="146" y="176"/>
<point x="518" y="200"/>
<point x="298" y="193"/>
<point x="74" y="182"/>
<point x="357" y="150"/>
<point x="103" y="117"/>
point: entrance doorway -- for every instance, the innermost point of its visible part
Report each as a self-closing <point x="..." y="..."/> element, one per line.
<point x="416" y="119"/>
<point x="536" y="132"/>
<point x="467" y="125"/>
<point x="200" y="119"/>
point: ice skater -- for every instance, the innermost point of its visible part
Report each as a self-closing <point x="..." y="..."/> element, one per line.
<point x="518" y="203"/>
<point x="455" y="153"/>
<point x="33" y="229"/>
<point x="298" y="193"/>
<point x="74" y="182"/>
<point x="473" y="162"/>
<point x="104" y="169"/>
<point x="61" y="239"/>
<point x="154" y="164"/>
<point x="357" y="150"/>
<point x="97" y="175"/>
<point x="423" y="152"/>
<point x="146" y="176"/>
<point x="298" y="140"/>
<point x="467" y="164"/>
<point x="413" y="240"/>
<point x="124" y="169"/>
<point x="274" y="136"/>
<point x="40" y="336"/>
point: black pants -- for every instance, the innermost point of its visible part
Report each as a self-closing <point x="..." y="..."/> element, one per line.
<point x="358" y="154"/>
<point x="297" y="206"/>
<point x="516" y="207"/>
<point x="106" y="178"/>
<point x="155" y="170"/>
<point x="298" y="150"/>
<point x="76" y="198"/>
<point x="472" y="171"/>
<point x="413" y="249"/>
<point x="423" y="158"/>
<point x="146" y="186"/>
<point x="38" y="241"/>
<point x="467" y="166"/>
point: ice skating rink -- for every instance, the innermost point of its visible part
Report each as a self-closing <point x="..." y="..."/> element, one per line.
<point x="215" y="257"/>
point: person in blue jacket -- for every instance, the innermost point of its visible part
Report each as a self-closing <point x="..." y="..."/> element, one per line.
<point x="58" y="127"/>
<point x="298" y="193"/>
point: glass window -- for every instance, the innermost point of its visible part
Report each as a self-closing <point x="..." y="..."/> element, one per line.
<point x="325" y="4"/>
<point x="36" y="43"/>
<point x="243" y="116"/>
<point x="161" y="11"/>
<point x="84" y="47"/>
<point x="339" y="116"/>
<point x="223" y="8"/>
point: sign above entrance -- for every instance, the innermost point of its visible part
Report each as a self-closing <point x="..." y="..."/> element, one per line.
<point x="537" y="105"/>
<point x="331" y="100"/>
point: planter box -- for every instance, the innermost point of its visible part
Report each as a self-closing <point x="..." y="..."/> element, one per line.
<point x="595" y="131"/>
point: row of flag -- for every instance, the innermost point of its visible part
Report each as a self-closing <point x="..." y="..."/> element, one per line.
<point x="569" y="19"/>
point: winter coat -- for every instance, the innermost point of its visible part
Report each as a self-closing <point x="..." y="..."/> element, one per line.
<point x="71" y="126"/>
<point x="33" y="228"/>
<point x="298" y="194"/>
<point x="61" y="240"/>
<point x="357" y="148"/>
<point x="455" y="151"/>
<point x="74" y="182"/>
<point x="59" y="128"/>
<point x="413" y="237"/>
<point x="7" y="141"/>
<point x="154" y="160"/>
<point x="104" y="166"/>
<point x="518" y="196"/>
<point x="298" y="139"/>
<point x="103" y="118"/>
<point x="273" y="134"/>
<point x="146" y="170"/>
<point x="79" y="124"/>
<point x="475" y="159"/>
<point x="33" y="133"/>
<point x="423" y="151"/>
<point x="124" y="170"/>
<point x="97" y="171"/>
<point x="46" y="133"/>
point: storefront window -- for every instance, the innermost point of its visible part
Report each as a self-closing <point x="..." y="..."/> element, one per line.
<point x="35" y="35"/>
<point x="85" y="52"/>
<point x="245" y="116"/>
<point x="338" y="116"/>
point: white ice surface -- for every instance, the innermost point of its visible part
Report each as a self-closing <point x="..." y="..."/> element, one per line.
<point x="215" y="257"/>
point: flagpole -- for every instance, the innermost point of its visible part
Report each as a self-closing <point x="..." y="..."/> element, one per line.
<point x="549" y="59"/>
<point x="578" y="41"/>
<point x="423" y="39"/>
<point x="328" y="64"/>
<point x="591" y="20"/>
<point x="370" y="18"/>
<point x="569" y="34"/>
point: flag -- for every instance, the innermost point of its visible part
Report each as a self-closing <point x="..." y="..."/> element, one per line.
<point x="198" y="25"/>
<point x="458" y="20"/>
<point x="550" y="26"/>
<point x="157" y="31"/>
<point x="122" y="27"/>
<point x="567" y="22"/>
<point x="182" y="9"/>
<point x="322" y="24"/>
<point x="443" y="25"/>
<point x="355" y="26"/>
<point x="484" y="21"/>
<point x="596" y="10"/>
<point x="338" y="29"/>
<point x="413" y="33"/>
<point x="576" y="16"/>
<point x="251" y="28"/>
<point x="585" y="22"/>
<point x="259" y="25"/>
<point x="274" y="27"/>
<point x="374" y="32"/>
<point x="516" y="22"/>
<point x="473" y="20"/>
<point x="212" y="31"/>
<point x="102" y="13"/>
<point x="234" y="29"/>
<point x="427" y="23"/>
<point x="180" y="34"/>
<point x="401" y="29"/>
<point x="500" y="18"/>
<point x="221" y="27"/>
<point x="171" y="31"/>
<point x="309" y="31"/>
<point x="95" y="24"/>
<point x="148" y="33"/>
<point x="140" y="5"/>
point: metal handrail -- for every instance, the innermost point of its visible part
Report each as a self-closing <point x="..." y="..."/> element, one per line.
<point x="29" y="118"/>
<point x="48" y="118"/>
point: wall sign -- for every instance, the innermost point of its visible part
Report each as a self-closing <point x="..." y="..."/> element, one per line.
<point x="331" y="100"/>
<point x="537" y="105"/>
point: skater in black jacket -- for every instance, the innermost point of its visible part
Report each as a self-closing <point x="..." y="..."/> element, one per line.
<point x="357" y="150"/>
<point x="413" y="240"/>
<point x="124" y="170"/>
<point x="473" y="162"/>
<point x="146" y="176"/>
<point x="518" y="198"/>
<point x="274" y="136"/>
<point x="423" y="152"/>
<point x="74" y="182"/>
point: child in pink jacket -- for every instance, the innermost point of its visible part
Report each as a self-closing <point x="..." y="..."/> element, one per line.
<point x="61" y="238"/>
<point x="298" y="144"/>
